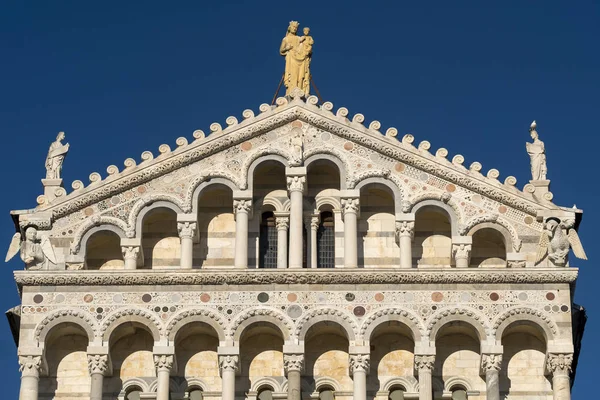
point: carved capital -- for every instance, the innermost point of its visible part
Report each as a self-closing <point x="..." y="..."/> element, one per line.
<point x="130" y="252"/>
<point x="97" y="363"/>
<point x="559" y="363"/>
<point x="30" y="365"/>
<point x="163" y="362"/>
<point x="491" y="362"/>
<point x="296" y="183"/>
<point x="405" y="229"/>
<point x="359" y="363"/>
<point x="282" y="223"/>
<point x="424" y="362"/>
<point x="461" y="251"/>
<point x="293" y="362"/>
<point x="350" y="205"/>
<point x="228" y="363"/>
<point x="314" y="222"/>
<point x="242" y="205"/>
<point x="186" y="229"/>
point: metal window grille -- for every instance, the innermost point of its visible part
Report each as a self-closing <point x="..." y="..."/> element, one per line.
<point x="326" y="242"/>
<point x="268" y="242"/>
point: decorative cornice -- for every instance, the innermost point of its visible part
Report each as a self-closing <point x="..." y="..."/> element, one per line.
<point x="331" y="276"/>
<point x="270" y="119"/>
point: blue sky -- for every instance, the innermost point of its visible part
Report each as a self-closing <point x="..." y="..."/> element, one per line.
<point x="123" y="77"/>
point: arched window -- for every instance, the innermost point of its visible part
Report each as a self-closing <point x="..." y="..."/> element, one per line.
<point x="396" y="393"/>
<point x="326" y="241"/>
<point x="459" y="394"/>
<point x="194" y="394"/>
<point x="326" y="394"/>
<point x="265" y="394"/>
<point x="133" y="393"/>
<point x="268" y="241"/>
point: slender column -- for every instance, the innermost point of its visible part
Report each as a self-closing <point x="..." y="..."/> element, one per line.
<point x="490" y="365"/>
<point x="163" y="363"/>
<point x="30" y="376"/>
<point x="131" y="248"/>
<point x="296" y="180"/>
<point x="405" y="233"/>
<point x="314" y="227"/>
<point x="293" y="365"/>
<point x="560" y="367"/>
<point x="97" y="365"/>
<point x="283" y="223"/>
<point x="187" y="232"/>
<point x="359" y="367"/>
<point x="424" y="365"/>
<point x="350" y="207"/>
<point x="461" y="250"/>
<point x="241" y="209"/>
<point x="228" y="365"/>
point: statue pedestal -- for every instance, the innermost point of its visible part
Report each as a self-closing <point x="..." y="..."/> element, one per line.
<point x="541" y="188"/>
<point x="50" y="186"/>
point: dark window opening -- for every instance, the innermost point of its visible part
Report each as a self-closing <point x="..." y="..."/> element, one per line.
<point x="326" y="241"/>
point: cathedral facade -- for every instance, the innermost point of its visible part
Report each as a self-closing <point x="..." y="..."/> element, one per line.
<point x="295" y="253"/>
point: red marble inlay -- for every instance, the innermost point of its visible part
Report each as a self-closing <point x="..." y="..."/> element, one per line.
<point x="400" y="167"/>
<point x="379" y="297"/>
<point x="550" y="296"/>
<point x="246" y="146"/>
<point x="292" y="297"/>
<point x="437" y="297"/>
<point x="450" y="188"/>
<point x="205" y="297"/>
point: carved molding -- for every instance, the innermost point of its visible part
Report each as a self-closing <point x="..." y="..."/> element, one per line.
<point x="545" y="320"/>
<point x="126" y="312"/>
<point x="92" y="222"/>
<point x="387" y="314"/>
<point x="479" y="321"/>
<point x="261" y="312"/>
<point x="86" y="322"/>
<point x="345" y="319"/>
<point x="256" y="277"/>
<point x="151" y="168"/>
<point x="203" y="312"/>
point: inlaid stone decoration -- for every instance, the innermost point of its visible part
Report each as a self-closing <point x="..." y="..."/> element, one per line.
<point x="297" y="252"/>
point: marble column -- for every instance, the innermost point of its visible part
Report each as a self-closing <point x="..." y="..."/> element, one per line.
<point x="350" y="208"/>
<point x="424" y="365"/>
<point x="490" y="365"/>
<point x="241" y="210"/>
<point x="228" y="365"/>
<point x="282" y="221"/>
<point x="97" y="365"/>
<point x="559" y="364"/>
<point x="163" y="363"/>
<point x="405" y="233"/>
<point x="359" y="368"/>
<point x="314" y="227"/>
<point x="293" y="365"/>
<point x="296" y="181"/>
<point x="30" y="376"/>
<point x="187" y="232"/>
<point x="132" y="251"/>
<point x="461" y="250"/>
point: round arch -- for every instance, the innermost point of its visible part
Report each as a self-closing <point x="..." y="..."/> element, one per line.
<point x="525" y="315"/>
<point x="452" y="382"/>
<point x="408" y="384"/>
<point x="379" y="317"/>
<point x="341" y="165"/>
<point x="205" y="184"/>
<point x="93" y="225"/>
<point x="463" y="315"/>
<point x="508" y="242"/>
<point x="391" y="186"/>
<point x="258" y="159"/>
<point x="338" y="317"/>
<point x="131" y="315"/>
<point x="140" y="210"/>
<point x="270" y="315"/>
<point x="189" y="316"/>
<point x="432" y="204"/>
<point x="79" y="318"/>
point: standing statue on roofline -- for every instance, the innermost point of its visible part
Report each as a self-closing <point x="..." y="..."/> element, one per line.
<point x="56" y="157"/>
<point x="297" y="51"/>
<point x="537" y="153"/>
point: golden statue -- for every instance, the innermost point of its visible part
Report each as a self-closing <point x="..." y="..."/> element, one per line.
<point x="297" y="51"/>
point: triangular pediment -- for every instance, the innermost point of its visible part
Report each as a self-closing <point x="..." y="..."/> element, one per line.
<point x="227" y="153"/>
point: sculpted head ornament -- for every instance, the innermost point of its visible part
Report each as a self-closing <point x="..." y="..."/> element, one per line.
<point x="293" y="27"/>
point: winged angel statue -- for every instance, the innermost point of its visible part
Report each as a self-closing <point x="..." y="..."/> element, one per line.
<point x="36" y="253"/>
<point x="556" y="243"/>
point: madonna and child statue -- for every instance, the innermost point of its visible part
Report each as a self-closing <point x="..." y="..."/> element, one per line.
<point x="297" y="51"/>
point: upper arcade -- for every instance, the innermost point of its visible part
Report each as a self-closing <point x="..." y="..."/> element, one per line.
<point x="297" y="185"/>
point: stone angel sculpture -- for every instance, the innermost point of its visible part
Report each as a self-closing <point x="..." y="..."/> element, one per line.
<point x="556" y="240"/>
<point x="36" y="254"/>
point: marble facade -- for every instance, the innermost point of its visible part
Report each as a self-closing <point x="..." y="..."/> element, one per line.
<point x="158" y="289"/>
